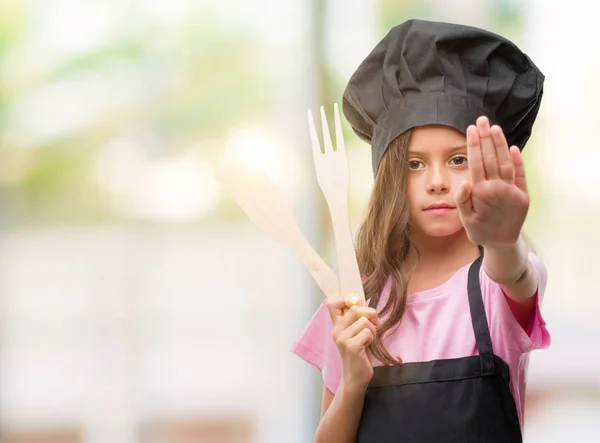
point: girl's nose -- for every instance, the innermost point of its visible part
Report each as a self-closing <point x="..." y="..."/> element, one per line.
<point x="438" y="182"/>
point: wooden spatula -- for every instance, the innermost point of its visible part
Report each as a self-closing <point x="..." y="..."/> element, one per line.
<point x="268" y="209"/>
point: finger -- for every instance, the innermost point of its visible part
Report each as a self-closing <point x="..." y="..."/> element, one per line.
<point x="475" y="162"/>
<point x="336" y="305"/>
<point x="505" y="162"/>
<point x="354" y="314"/>
<point x="326" y="136"/>
<point x="355" y="328"/>
<point x="314" y="138"/>
<point x="361" y="340"/>
<point x="463" y="199"/>
<point x="352" y="300"/>
<point x="517" y="160"/>
<point x="488" y="150"/>
<point x="368" y="313"/>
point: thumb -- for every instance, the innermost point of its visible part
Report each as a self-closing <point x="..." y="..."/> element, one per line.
<point x="463" y="199"/>
<point x="337" y="305"/>
<point x="352" y="300"/>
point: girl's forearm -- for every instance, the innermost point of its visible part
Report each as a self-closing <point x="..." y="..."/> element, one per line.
<point x="340" y="422"/>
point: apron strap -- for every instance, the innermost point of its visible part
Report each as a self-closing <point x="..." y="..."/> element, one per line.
<point x="478" y="316"/>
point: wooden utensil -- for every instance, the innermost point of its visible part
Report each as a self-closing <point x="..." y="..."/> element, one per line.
<point x="333" y="176"/>
<point x="268" y="209"/>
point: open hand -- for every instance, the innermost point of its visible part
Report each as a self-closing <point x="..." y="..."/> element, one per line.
<point x="493" y="204"/>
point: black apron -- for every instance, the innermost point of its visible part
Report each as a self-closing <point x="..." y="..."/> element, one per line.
<point x="461" y="400"/>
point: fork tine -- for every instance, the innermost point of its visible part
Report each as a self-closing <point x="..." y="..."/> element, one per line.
<point x="339" y="136"/>
<point x="326" y="136"/>
<point x="314" y="138"/>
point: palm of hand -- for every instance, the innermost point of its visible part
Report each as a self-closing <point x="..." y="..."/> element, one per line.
<point x="493" y="205"/>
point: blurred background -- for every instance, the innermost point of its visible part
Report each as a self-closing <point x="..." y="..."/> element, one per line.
<point x="137" y="301"/>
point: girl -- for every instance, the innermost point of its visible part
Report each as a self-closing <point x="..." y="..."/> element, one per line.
<point x="440" y="352"/>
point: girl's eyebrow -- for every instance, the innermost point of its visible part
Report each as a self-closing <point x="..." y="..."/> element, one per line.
<point x="449" y="151"/>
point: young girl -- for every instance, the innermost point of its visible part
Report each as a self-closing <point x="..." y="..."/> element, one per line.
<point x="440" y="352"/>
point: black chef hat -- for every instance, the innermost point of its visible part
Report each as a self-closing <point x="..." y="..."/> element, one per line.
<point x="426" y="72"/>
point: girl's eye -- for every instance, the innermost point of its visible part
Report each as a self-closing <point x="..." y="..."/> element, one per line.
<point x="459" y="161"/>
<point x="414" y="164"/>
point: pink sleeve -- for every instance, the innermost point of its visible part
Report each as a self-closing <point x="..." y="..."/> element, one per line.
<point x="316" y="346"/>
<point x="536" y="336"/>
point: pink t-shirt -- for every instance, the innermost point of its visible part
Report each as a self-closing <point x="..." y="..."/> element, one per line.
<point x="437" y="325"/>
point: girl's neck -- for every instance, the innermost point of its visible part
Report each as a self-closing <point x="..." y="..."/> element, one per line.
<point x="448" y="252"/>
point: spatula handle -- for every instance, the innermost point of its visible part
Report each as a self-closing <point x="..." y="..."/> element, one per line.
<point x="322" y="274"/>
<point x="270" y="211"/>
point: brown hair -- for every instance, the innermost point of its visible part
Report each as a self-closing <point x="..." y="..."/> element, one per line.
<point x="383" y="241"/>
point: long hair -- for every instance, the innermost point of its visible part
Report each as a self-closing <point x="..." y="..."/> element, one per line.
<point x="383" y="241"/>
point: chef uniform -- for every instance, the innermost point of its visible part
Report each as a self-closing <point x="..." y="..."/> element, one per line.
<point x="425" y="73"/>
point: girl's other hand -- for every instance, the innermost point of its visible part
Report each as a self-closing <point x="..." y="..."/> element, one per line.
<point x="354" y="327"/>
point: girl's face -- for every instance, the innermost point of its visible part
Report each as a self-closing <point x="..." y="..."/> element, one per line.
<point x="437" y="165"/>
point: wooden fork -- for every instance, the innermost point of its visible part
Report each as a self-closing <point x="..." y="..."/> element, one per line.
<point x="331" y="167"/>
